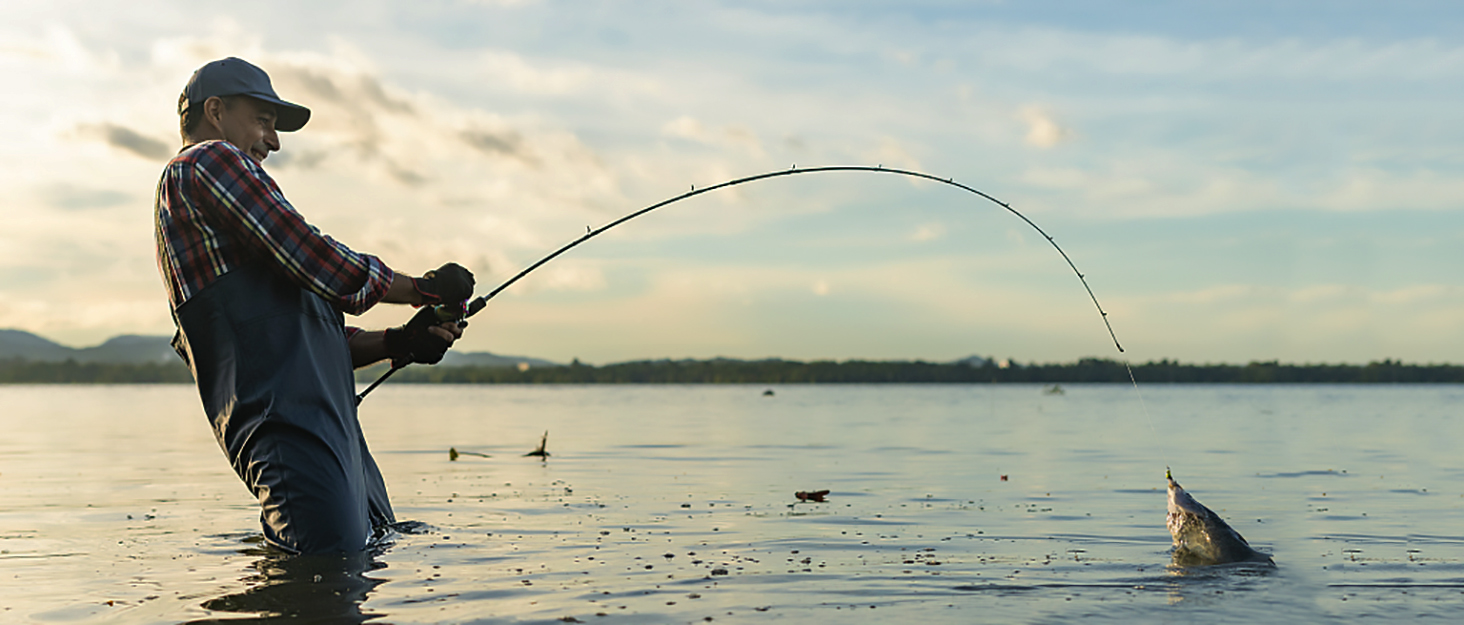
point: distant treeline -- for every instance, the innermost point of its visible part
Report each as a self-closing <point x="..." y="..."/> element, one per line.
<point x="1087" y="370"/>
<point x="15" y="371"/>
<point x="722" y="371"/>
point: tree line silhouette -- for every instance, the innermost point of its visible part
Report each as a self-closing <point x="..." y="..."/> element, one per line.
<point x="1087" y="370"/>
<point x="777" y="371"/>
<point x="18" y="371"/>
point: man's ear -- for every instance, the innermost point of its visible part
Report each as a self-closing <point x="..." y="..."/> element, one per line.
<point x="213" y="113"/>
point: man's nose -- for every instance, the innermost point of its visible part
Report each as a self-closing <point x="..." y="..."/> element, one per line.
<point x="272" y="140"/>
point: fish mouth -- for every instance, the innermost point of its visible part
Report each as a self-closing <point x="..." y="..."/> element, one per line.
<point x="1180" y="502"/>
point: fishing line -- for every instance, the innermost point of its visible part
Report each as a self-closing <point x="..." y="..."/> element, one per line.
<point x="478" y="304"/>
<point x="1142" y="404"/>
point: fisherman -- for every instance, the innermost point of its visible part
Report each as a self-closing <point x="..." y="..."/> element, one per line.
<point x="257" y="295"/>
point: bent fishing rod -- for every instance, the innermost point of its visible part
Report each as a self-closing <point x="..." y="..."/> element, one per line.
<point x="447" y="313"/>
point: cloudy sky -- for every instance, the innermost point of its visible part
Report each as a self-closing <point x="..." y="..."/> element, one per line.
<point x="1238" y="180"/>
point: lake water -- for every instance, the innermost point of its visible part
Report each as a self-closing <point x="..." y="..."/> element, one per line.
<point x="675" y="504"/>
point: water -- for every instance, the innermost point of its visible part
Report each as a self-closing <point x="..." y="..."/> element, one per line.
<point x="674" y="504"/>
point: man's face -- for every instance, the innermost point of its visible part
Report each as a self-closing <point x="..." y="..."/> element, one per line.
<point x="250" y="125"/>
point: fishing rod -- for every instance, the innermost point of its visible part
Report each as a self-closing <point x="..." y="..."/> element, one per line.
<point x="451" y="313"/>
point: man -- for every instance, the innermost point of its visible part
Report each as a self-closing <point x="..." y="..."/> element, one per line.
<point x="257" y="296"/>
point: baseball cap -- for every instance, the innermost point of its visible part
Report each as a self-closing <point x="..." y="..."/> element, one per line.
<point x="235" y="76"/>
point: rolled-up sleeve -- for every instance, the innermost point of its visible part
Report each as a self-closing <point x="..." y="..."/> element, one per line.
<point x="241" y="198"/>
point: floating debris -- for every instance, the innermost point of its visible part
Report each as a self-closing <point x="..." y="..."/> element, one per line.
<point x="541" y="452"/>
<point x="1055" y="389"/>
<point x="1201" y="537"/>
<point x="1003" y="477"/>
<point x="768" y="393"/>
<point x="817" y="495"/>
<point x="453" y="454"/>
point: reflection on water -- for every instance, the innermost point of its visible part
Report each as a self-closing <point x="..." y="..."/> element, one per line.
<point x="298" y="589"/>
<point x="679" y="503"/>
<point x="1206" y="584"/>
<point x="286" y="588"/>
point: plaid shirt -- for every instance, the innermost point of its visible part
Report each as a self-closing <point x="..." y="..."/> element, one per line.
<point x="217" y="209"/>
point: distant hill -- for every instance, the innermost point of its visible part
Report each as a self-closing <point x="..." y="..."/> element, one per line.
<point x="18" y="344"/>
<point x="125" y="349"/>
<point x="139" y="350"/>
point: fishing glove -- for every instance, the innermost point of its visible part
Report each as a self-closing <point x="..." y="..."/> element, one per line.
<point x="412" y="342"/>
<point x="450" y="283"/>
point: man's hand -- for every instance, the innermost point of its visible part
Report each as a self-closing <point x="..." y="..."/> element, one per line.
<point x="424" y="339"/>
<point x="450" y="283"/>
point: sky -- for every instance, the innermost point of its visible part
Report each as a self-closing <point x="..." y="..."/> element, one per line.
<point x="1237" y="181"/>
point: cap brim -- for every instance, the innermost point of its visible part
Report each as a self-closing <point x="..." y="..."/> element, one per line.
<point x="289" y="116"/>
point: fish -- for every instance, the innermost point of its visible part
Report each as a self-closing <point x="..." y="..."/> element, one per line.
<point x="1201" y="537"/>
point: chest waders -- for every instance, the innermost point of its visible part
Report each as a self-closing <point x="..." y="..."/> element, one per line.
<point x="274" y="372"/>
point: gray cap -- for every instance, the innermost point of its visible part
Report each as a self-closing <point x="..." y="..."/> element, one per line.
<point x="235" y="76"/>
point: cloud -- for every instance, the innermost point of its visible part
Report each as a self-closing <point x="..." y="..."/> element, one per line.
<point x="892" y="153"/>
<point x="512" y="70"/>
<point x="1333" y="322"/>
<point x="1419" y="295"/>
<point x="297" y="159"/>
<point x="928" y="232"/>
<point x="573" y="276"/>
<point x="1042" y="131"/>
<point x="451" y="136"/>
<point x="686" y="127"/>
<point x="505" y="143"/>
<point x="371" y="170"/>
<point x="1316" y="296"/>
<point x="1174" y="183"/>
<point x="406" y="176"/>
<point x="71" y="197"/>
<point x="359" y="119"/>
<point x="1044" y="50"/>
<point x="689" y="128"/>
<point x="567" y="275"/>
<point x="129" y="140"/>
<point x="493" y="143"/>
<point x="344" y="101"/>
<point x="344" y="89"/>
<point x="903" y="57"/>
<point x="906" y="309"/>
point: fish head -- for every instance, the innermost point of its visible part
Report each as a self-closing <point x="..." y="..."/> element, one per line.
<point x="1201" y="537"/>
<point x="1186" y="518"/>
<point x="1180" y="502"/>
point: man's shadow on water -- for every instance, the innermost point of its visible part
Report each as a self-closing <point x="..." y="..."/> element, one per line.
<point x="287" y="588"/>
